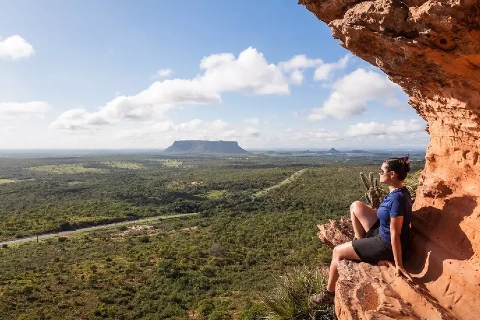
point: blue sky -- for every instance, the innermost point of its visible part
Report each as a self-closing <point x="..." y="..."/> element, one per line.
<point x="129" y="74"/>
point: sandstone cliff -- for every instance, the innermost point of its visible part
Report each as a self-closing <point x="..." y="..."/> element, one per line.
<point x="431" y="49"/>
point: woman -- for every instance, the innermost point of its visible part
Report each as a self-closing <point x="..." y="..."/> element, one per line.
<point x="381" y="234"/>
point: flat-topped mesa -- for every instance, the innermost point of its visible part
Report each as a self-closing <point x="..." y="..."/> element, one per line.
<point x="432" y="50"/>
<point x="205" y="147"/>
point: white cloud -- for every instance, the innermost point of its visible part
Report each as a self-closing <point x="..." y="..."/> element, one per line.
<point x="351" y="94"/>
<point x="296" y="77"/>
<point x="313" y="135"/>
<point x="254" y="121"/>
<point x="78" y="119"/>
<point x="15" y="47"/>
<point x="324" y="71"/>
<point x="249" y="73"/>
<point x="163" y="73"/>
<point x="166" y="132"/>
<point x="253" y="132"/>
<point x="299" y="63"/>
<point x="374" y="128"/>
<point x="296" y="66"/>
<point x="149" y="104"/>
<point x="366" y="129"/>
<point x="220" y="124"/>
<point x="402" y="126"/>
<point x="8" y="128"/>
<point x="12" y="110"/>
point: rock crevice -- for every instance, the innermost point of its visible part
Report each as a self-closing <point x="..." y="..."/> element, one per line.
<point x="432" y="50"/>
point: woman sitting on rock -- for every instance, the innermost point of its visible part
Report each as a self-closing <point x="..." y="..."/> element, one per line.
<point x="381" y="234"/>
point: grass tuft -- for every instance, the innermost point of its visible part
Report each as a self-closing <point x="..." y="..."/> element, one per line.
<point x="290" y="299"/>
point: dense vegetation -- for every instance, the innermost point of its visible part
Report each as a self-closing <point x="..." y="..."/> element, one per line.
<point x="45" y="195"/>
<point x="215" y="265"/>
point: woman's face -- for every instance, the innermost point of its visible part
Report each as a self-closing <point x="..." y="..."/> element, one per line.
<point x="385" y="174"/>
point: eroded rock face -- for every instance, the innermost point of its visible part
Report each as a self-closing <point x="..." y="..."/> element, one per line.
<point x="432" y="50"/>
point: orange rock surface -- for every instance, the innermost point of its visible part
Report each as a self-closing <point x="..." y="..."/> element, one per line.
<point x="432" y="50"/>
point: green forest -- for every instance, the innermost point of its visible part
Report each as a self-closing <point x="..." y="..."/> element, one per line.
<point x="236" y="236"/>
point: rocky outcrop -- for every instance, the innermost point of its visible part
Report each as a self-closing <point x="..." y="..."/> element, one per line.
<point x="432" y="50"/>
<point x="202" y="146"/>
<point x="365" y="291"/>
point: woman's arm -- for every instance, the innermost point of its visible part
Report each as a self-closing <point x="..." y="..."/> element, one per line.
<point x="395" y="231"/>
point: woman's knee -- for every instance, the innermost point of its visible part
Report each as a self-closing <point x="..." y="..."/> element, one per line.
<point x="337" y="253"/>
<point x="355" y="206"/>
<point x="344" y="251"/>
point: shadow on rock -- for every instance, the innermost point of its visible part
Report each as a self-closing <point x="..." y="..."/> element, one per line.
<point x="437" y="236"/>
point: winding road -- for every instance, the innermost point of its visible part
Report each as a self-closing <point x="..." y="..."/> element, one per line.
<point x="103" y="226"/>
<point x="294" y="176"/>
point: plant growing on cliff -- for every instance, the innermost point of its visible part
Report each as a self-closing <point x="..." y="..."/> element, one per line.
<point x="290" y="299"/>
<point x="374" y="194"/>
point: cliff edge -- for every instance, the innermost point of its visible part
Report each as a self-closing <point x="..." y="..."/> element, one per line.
<point x="432" y="50"/>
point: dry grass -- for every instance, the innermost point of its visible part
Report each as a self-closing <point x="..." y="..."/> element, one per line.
<point x="66" y="169"/>
<point x="5" y="181"/>
<point x="124" y="165"/>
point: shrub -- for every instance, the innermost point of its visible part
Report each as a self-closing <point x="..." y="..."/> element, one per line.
<point x="290" y="299"/>
<point x="411" y="182"/>
<point x="219" y="315"/>
<point x="144" y="239"/>
<point x="253" y="312"/>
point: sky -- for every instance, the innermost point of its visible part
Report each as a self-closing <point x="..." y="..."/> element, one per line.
<point x="141" y="74"/>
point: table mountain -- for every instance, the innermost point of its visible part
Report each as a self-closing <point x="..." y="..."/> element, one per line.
<point x="203" y="146"/>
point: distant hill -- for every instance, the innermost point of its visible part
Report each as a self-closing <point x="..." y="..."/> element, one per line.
<point x="333" y="150"/>
<point x="203" y="146"/>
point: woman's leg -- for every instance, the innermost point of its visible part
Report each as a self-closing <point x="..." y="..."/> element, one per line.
<point x="340" y="252"/>
<point x="363" y="218"/>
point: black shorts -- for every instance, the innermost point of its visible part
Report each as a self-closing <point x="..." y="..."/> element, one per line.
<point x="373" y="248"/>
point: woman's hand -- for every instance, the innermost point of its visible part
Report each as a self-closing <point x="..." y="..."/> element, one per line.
<point x="400" y="270"/>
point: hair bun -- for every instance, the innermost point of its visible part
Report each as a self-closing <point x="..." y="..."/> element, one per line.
<point x="406" y="163"/>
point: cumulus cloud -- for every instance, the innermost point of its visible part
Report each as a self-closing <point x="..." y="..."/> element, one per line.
<point x="249" y="73"/>
<point x="194" y="129"/>
<point x="299" y="63"/>
<point x="296" y="66"/>
<point x="12" y="110"/>
<point x="324" y="71"/>
<point x="313" y="135"/>
<point x="351" y="94"/>
<point x="374" y="128"/>
<point x="78" y="119"/>
<point x="254" y="121"/>
<point x="402" y="126"/>
<point x="164" y="73"/>
<point x="15" y="47"/>
<point x="8" y="128"/>
<point x="296" y="77"/>
<point x="253" y="132"/>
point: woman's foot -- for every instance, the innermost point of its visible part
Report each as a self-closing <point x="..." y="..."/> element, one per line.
<point x="322" y="298"/>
